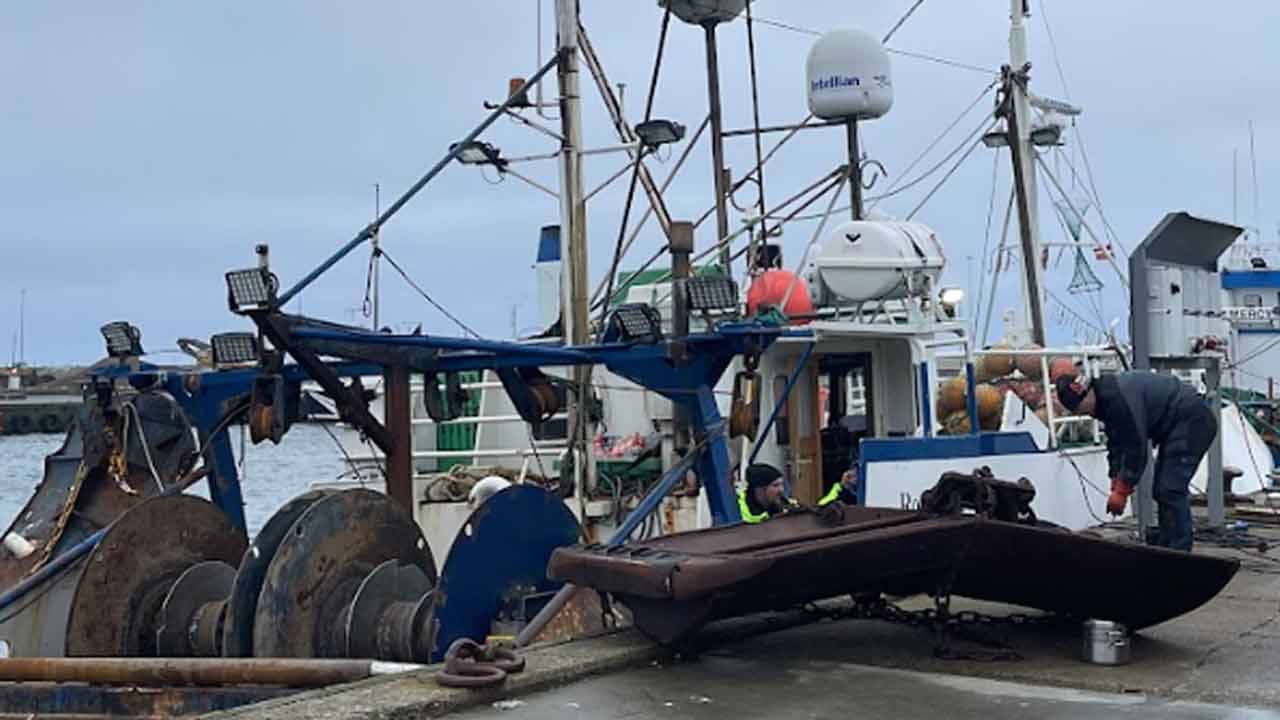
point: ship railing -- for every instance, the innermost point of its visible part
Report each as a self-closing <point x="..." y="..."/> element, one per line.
<point x="1091" y="361"/>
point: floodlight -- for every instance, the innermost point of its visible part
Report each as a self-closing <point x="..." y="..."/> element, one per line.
<point x="951" y="296"/>
<point x="234" y="349"/>
<point x="634" y="322"/>
<point x="478" y="153"/>
<point x="995" y="139"/>
<point x="123" y="339"/>
<point x="656" y="133"/>
<point x="254" y="288"/>
<point x="712" y="293"/>
<point x="1046" y="135"/>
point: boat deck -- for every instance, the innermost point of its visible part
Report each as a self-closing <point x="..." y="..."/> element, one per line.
<point x="1222" y="653"/>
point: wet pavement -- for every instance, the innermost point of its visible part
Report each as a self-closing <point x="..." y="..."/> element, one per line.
<point x="783" y="679"/>
<point x="1220" y="661"/>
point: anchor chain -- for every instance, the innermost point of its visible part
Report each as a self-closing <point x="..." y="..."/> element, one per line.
<point x="468" y="664"/>
<point x="943" y="623"/>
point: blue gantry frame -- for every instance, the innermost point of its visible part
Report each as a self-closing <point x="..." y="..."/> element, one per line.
<point x="207" y="397"/>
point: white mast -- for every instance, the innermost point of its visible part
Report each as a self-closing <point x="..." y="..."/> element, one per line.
<point x="1024" y="154"/>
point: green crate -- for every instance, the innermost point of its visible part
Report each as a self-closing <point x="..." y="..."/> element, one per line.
<point x="460" y="437"/>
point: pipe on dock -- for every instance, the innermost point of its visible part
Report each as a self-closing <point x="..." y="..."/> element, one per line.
<point x="289" y="672"/>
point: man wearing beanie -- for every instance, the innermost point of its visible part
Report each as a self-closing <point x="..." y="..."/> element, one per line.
<point x="765" y="494"/>
<point x="1139" y="410"/>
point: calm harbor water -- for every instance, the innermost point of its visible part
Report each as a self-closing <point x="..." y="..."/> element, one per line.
<point x="272" y="474"/>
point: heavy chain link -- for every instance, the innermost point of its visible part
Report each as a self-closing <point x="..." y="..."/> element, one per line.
<point x="943" y="622"/>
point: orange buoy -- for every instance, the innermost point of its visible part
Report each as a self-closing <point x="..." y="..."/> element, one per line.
<point x="990" y="401"/>
<point x="769" y="288"/>
<point x="1029" y="364"/>
<point x="991" y="367"/>
<point x="1060" y="366"/>
<point x="951" y="396"/>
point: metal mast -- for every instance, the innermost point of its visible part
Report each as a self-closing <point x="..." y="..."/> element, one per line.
<point x="573" y="222"/>
<point x="377" y="256"/>
<point x="1018" y="125"/>
<point x="717" y="142"/>
<point x="22" y="328"/>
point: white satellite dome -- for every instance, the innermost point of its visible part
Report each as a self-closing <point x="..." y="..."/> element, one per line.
<point x="849" y="76"/>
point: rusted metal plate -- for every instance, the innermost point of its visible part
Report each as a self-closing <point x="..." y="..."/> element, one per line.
<point x="1138" y="585"/>
<point x="675" y="583"/>
<point x="319" y="565"/>
<point x="76" y="498"/>
<point x="582" y="616"/>
<point x="127" y="575"/>
<point x="242" y="604"/>
<point x="41" y="520"/>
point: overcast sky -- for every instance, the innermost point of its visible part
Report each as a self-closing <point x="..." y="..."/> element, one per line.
<point x="145" y="147"/>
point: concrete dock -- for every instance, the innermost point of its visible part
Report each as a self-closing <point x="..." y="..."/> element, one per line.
<point x="1223" y="660"/>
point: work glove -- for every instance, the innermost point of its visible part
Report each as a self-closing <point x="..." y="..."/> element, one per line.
<point x="1120" y="492"/>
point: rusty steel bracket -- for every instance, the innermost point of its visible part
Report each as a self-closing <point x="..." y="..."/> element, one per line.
<point x="352" y="405"/>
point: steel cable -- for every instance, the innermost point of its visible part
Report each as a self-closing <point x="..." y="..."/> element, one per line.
<point x="427" y="297"/>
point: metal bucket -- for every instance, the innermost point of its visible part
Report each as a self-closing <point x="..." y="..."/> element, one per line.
<point x="1105" y="642"/>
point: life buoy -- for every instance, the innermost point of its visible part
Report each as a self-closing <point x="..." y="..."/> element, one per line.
<point x="49" y="424"/>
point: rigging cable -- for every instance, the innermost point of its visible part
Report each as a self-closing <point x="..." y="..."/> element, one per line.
<point x="999" y="259"/>
<point x="1053" y="47"/>
<point x="648" y="213"/>
<point x="838" y="180"/>
<point x="946" y="177"/>
<point x="755" y="104"/>
<point x="1092" y="194"/>
<point x="768" y="156"/>
<point x="351" y="463"/>
<point x="942" y="61"/>
<point x="1093" y="188"/>
<point x="428" y="298"/>
<point x="986" y="235"/>
<point x="755" y="116"/>
<point x="1085" y="322"/>
<point x="635" y="173"/>
<point x="940" y="137"/>
<point x="1253" y="354"/>
<point x="894" y="187"/>
<point x="901" y="20"/>
<point x="894" y="51"/>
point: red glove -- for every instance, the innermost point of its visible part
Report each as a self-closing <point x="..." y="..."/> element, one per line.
<point x="1120" y="492"/>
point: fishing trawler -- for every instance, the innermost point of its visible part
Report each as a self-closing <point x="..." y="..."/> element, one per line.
<point x="855" y="357"/>
<point x="876" y="371"/>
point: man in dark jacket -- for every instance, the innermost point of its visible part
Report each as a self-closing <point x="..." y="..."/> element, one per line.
<point x="1140" y="409"/>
